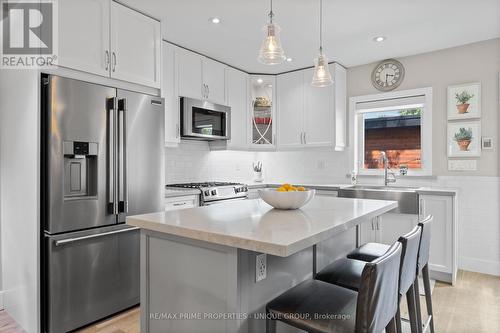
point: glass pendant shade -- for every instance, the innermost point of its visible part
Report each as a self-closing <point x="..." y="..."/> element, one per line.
<point x="322" y="76"/>
<point x="271" y="52"/>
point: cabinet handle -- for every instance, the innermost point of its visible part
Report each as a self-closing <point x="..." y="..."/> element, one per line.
<point x="180" y="204"/>
<point x="114" y="61"/>
<point x="305" y="140"/>
<point x="208" y="91"/>
<point x="177" y="130"/>
<point x="373" y="228"/>
<point x="302" y="137"/>
<point x="106" y="60"/>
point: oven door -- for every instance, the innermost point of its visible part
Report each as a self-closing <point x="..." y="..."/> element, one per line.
<point x="215" y="202"/>
<point x="205" y="120"/>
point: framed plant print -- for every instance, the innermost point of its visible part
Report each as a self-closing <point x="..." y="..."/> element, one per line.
<point x="464" y="101"/>
<point x="464" y="139"/>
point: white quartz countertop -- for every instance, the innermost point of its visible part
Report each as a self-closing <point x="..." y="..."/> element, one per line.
<point x="335" y="187"/>
<point x="256" y="226"/>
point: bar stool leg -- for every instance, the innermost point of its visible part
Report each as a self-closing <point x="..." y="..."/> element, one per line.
<point x="428" y="295"/>
<point x="417" y="304"/>
<point x="270" y="325"/>
<point x="391" y="327"/>
<point x="398" y="320"/>
<point x="412" y="311"/>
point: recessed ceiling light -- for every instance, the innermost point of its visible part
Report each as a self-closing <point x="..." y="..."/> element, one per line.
<point x="215" y="20"/>
<point x="259" y="81"/>
<point x="289" y="59"/>
<point x="379" y="39"/>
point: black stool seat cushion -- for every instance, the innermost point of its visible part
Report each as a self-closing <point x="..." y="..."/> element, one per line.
<point x="368" y="252"/>
<point x="343" y="272"/>
<point x="316" y="306"/>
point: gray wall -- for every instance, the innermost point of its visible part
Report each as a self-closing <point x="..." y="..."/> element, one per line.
<point x="478" y="62"/>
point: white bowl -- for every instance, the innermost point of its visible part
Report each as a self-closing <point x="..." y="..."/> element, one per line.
<point x="286" y="200"/>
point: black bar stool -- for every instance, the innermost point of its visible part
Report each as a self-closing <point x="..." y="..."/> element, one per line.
<point x="320" y="307"/>
<point x="423" y="267"/>
<point x="371" y="251"/>
<point x="347" y="273"/>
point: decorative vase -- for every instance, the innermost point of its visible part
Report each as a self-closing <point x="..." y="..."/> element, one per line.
<point x="463" y="144"/>
<point x="462" y="108"/>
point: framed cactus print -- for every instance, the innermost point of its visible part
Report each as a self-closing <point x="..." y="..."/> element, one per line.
<point x="464" y="101"/>
<point x="464" y="139"/>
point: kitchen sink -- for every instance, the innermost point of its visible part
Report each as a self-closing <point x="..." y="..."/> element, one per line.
<point x="406" y="197"/>
<point x="383" y="188"/>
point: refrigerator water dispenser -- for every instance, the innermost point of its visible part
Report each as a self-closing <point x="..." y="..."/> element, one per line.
<point x="80" y="169"/>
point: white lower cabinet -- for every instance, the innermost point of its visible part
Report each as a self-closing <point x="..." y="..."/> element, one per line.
<point x="391" y="226"/>
<point x="184" y="202"/>
<point x="443" y="237"/>
<point x="388" y="227"/>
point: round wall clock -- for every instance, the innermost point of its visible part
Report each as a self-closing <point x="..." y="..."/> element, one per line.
<point x="388" y="75"/>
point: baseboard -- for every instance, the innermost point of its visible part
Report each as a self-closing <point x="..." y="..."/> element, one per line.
<point x="479" y="265"/>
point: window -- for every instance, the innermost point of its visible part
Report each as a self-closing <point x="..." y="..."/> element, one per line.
<point x="397" y="123"/>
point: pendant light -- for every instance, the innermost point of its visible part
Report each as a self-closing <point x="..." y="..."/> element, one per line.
<point x="271" y="52"/>
<point x="321" y="77"/>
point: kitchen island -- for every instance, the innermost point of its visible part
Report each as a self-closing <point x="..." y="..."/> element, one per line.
<point x="198" y="265"/>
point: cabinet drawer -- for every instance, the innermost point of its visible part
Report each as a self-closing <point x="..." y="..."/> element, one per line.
<point x="181" y="203"/>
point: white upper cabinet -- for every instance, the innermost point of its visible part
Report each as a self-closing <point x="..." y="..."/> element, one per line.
<point x="310" y="116"/>
<point x="319" y="113"/>
<point x="135" y="46"/>
<point x="237" y="100"/>
<point x="190" y="74"/>
<point x="169" y="92"/>
<point x="105" y="38"/>
<point x="84" y="43"/>
<point x="290" y="89"/>
<point x="200" y="77"/>
<point x="214" y="81"/>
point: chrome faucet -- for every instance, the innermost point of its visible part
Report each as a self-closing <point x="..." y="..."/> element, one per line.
<point x="385" y="160"/>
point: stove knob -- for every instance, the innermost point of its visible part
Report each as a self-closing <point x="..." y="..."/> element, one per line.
<point x="245" y="189"/>
<point x="207" y="193"/>
<point x="214" y="192"/>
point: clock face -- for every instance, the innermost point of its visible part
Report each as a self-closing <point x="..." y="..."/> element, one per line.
<point x="388" y="75"/>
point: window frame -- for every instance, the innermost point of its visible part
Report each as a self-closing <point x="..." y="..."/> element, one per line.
<point x="356" y="119"/>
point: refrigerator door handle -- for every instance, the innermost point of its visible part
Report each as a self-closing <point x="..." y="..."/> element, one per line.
<point x="77" y="239"/>
<point x="122" y="149"/>
<point x="112" y="157"/>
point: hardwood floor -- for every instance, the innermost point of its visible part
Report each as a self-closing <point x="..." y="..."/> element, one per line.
<point x="125" y="322"/>
<point x="7" y="324"/>
<point x="472" y="306"/>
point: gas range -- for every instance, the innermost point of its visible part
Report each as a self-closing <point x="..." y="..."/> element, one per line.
<point x="216" y="192"/>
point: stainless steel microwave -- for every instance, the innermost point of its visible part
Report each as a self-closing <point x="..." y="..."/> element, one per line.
<point x="203" y="120"/>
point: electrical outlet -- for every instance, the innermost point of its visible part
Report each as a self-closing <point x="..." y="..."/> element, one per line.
<point x="260" y="267"/>
<point x="321" y="165"/>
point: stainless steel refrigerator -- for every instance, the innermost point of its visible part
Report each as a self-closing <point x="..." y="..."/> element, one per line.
<point x="102" y="159"/>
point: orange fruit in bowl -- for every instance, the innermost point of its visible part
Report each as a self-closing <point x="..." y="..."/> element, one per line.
<point x="301" y="189"/>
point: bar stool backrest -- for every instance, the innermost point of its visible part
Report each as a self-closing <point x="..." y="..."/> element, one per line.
<point x="410" y="242"/>
<point x="378" y="293"/>
<point x="425" y="242"/>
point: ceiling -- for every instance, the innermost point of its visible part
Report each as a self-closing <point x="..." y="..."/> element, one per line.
<point x="411" y="27"/>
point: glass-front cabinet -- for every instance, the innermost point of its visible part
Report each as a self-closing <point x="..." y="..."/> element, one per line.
<point x="262" y="125"/>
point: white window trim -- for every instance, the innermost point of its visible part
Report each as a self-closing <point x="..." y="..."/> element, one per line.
<point x="356" y="124"/>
